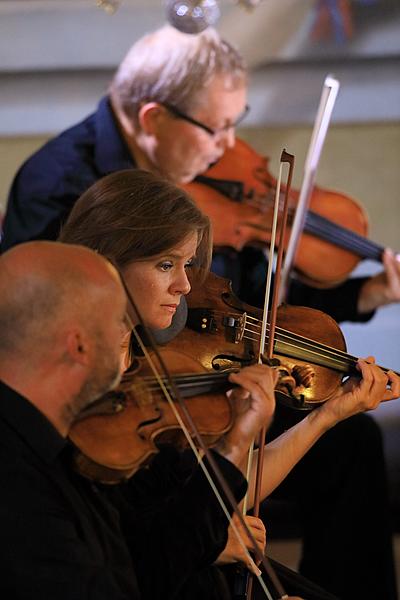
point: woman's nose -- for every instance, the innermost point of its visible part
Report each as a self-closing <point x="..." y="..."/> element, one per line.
<point x="181" y="284"/>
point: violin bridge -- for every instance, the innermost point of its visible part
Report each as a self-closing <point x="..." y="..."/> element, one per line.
<point x="236" y="325"/>
<point x="203" y="320"/>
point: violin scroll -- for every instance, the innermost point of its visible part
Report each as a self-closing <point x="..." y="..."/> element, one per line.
<point x="293" y="380"/>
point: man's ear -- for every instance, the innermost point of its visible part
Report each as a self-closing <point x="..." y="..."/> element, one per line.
<point x="78" y="347"/>
<point x="149" y="116"/>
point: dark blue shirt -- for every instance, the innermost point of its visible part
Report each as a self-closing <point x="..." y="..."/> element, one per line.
<point x="49" y="183"/>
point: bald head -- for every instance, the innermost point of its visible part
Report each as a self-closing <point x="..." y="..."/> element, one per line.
<point x="43" y="285"/>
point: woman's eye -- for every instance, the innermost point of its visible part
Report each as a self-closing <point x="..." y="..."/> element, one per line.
<point x="165" y="266"/>
<point x="189" y="263"/>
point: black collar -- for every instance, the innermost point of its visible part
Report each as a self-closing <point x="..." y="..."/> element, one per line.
<point x="30" y="424"/>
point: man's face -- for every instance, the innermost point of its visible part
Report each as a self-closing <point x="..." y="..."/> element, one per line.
<point x="183" y="150"/>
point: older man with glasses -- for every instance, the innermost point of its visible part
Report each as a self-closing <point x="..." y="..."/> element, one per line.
<point x="172" y="108"/>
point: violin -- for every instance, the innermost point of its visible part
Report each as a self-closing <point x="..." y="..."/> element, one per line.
<point x="120" y="432"/>
<point x="223" y="333"/>
<point x="237" y="193"/>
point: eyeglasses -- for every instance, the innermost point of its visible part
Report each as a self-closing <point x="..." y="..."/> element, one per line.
<point x="181" y="115"/>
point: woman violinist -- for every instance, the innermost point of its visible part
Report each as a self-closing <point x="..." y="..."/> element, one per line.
<point x="153" y="232"/>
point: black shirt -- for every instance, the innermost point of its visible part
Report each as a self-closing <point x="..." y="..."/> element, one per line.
<point x="66" y="537"/>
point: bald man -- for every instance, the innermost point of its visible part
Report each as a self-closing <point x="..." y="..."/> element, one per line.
<point x="62" y="314"/>
<point x="56" y="357"/>
<point x="54" y="349"/>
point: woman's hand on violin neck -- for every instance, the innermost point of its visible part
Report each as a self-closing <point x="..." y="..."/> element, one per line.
<point x="359" y="395"/>
<point x="254" y="405"/>
<point x="234" y="551"/>
<point x="383" y="288"/>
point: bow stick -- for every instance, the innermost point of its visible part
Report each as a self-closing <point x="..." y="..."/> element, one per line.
<point x="322" y="120"/>
<point x="285" y="158"/>
<point x="216" y="471"/>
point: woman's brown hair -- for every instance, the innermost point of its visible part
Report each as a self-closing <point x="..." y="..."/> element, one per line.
<point x="133" y="215"/>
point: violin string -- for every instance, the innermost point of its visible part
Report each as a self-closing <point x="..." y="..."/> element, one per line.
<point x="340" y="358"/>
<point x="314" y="357"/>
<point x="343" y="237"/>
<point x="283" y="334"/>
<point x="186" y="381"/>
<point x="302" y="339"/>
<point x="309" y="345"/>
<point x="325" y="229"/>
<point x="329" y="231"/>
<point x="336" y="358"/>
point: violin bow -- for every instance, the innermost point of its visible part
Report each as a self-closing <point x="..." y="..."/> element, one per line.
<point x="328" y="97"/>
<point x="285" y="158"/>
<point x="266" y="305"/>
<point x="214" y="467"/>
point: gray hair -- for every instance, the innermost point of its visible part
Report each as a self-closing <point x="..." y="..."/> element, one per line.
<point x="174" y="67"/>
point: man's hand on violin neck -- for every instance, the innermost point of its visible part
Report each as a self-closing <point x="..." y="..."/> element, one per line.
<point x="359" y="395"/>
<point x="383" y="288"/>
<point x="254" y="405"/>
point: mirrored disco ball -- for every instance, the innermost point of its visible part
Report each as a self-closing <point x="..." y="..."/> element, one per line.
<point x="192" y="16"/>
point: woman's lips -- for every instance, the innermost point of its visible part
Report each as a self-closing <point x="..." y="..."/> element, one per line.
<point x="170" y="307"/>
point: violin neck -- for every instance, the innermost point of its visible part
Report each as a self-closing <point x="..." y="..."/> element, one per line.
<point x="310" y="351"/>
<point x="195" y="384"/>
<point x="342" y="237"/>
<point x="299" y="347"/>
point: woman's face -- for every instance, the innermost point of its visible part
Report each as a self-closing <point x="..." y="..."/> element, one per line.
<point x="158" y="283"/>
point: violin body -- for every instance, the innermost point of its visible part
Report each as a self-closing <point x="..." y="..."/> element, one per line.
<point x="120" y="432"/>
<point x="238" y="194"/>
<point x="223" y="333"/>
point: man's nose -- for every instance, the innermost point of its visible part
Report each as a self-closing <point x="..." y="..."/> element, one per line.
<point x="227" y="138"/>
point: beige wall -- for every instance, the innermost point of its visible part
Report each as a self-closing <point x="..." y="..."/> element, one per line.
<point x="360" y="160"/>
<point x="13" y="152"/>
